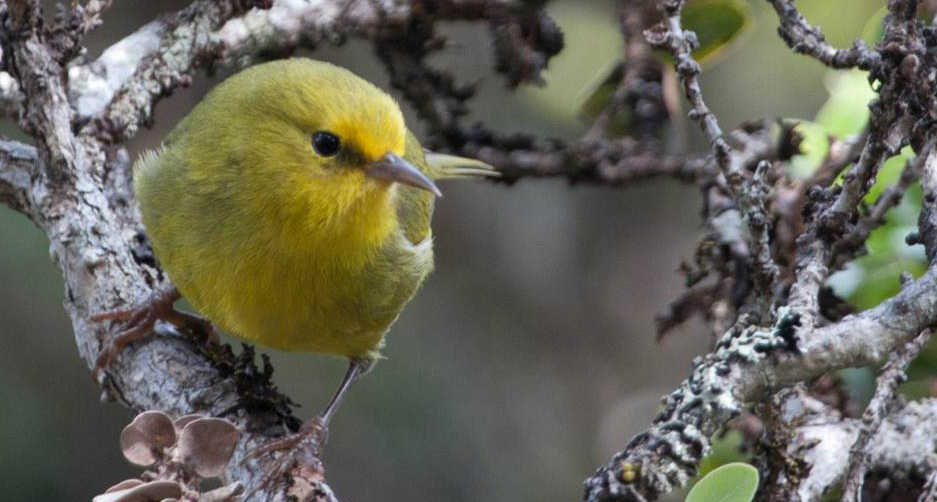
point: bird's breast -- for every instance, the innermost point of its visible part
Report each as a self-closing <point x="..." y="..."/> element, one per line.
<point x="331" y="286"/>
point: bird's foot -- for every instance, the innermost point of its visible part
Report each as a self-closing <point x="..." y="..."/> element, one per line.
<point x="138" y="323"/>
<point x="300" y="449"/>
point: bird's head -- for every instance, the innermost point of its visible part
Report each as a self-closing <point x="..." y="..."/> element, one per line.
<point x="352" y="128"/>
<point x="298" y="132"/>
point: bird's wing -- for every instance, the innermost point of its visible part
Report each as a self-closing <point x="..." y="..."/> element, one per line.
<point x="414" y="205"/>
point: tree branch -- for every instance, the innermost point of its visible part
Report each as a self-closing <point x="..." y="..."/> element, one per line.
<point x="671" y="36"/>
<point x="10" y="95"/>
<point x="17" y="162"/>
<point x="904" y="442"/>
<point x="746" y="366"/>
<point x="892" y="374"/>
<point x="162" y="55"/>
<point x="805" y="39"/>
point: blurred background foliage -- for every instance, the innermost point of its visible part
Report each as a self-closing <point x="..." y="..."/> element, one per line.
<point x="528" y="357"/>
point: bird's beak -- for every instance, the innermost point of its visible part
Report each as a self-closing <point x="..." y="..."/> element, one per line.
<point x="390" y="167"/>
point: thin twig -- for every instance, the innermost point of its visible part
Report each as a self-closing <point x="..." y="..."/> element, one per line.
<point x="803" y="38"/>
<point x="892" y="374"/>
<point x="850" y="245"/>
<point x="671" y="36"/>
<point x="749" y="199"/>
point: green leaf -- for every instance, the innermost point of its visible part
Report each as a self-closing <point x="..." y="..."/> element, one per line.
<point x="593" y="47"/>
<point x="875" y="27"/>
<point x="846" y="111"/>
<point x="814" y="145"/>
<point x="718" y="24"/>
<point x="735" y="482"/>
<point x="726" y="448"/>
<point x="873" y="277"/>
<point x="599" y="97"/>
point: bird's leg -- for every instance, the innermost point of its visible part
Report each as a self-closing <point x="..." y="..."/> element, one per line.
<point x="356" y="368"/>
<point x="303" y="446"/>
<point x="139" y="322"/>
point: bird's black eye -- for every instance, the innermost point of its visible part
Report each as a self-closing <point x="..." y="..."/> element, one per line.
<point x="326" y="143"/>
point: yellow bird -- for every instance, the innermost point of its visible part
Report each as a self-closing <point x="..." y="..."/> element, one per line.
<point x="292" y="208"/>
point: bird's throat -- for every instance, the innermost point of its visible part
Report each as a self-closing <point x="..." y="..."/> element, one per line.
<point x="350" y="226"/>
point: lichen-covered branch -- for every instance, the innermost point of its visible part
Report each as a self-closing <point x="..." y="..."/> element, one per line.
<point x="927" y="222"/>
<point x="748" y="365"/>
<point x="94" y="237"/>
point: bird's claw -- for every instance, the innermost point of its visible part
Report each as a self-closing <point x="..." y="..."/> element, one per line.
<point x="317" y="429"/>
<point x="312" y="435"/>
<point x="300" y="449"/>
<point x="139" y="322"/>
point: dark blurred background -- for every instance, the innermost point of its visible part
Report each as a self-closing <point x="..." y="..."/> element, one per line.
<point x="526" y="359"/>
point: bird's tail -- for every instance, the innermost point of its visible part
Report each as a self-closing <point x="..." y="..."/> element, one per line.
<point x="452" y="166"/>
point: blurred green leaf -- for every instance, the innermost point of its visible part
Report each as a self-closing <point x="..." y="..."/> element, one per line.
<point x="873" y="30"/>
<point x="718" y="24"/>
<point x="600" y="96"/>
<point x="814" y="146"/>
<point x="918" y="387"/>
<point x="859" y="383"/>
<point x="874" y="277"/>
<point x="846" y="111"/>
<point x="593" y="48"/>
<point x="888" y="174"/>
<point x="736" y="482"/>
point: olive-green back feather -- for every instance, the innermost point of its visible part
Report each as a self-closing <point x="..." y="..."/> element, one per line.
<point x="415" y="206"/>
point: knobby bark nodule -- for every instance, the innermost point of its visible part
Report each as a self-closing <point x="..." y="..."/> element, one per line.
<point x="771" y="241"/>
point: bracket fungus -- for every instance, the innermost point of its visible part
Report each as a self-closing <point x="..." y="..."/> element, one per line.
<point x="144" y="441"/>
<point x="180" y="454"/>
<point x="154" y="491"/>
<point x="206" y="444"/>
